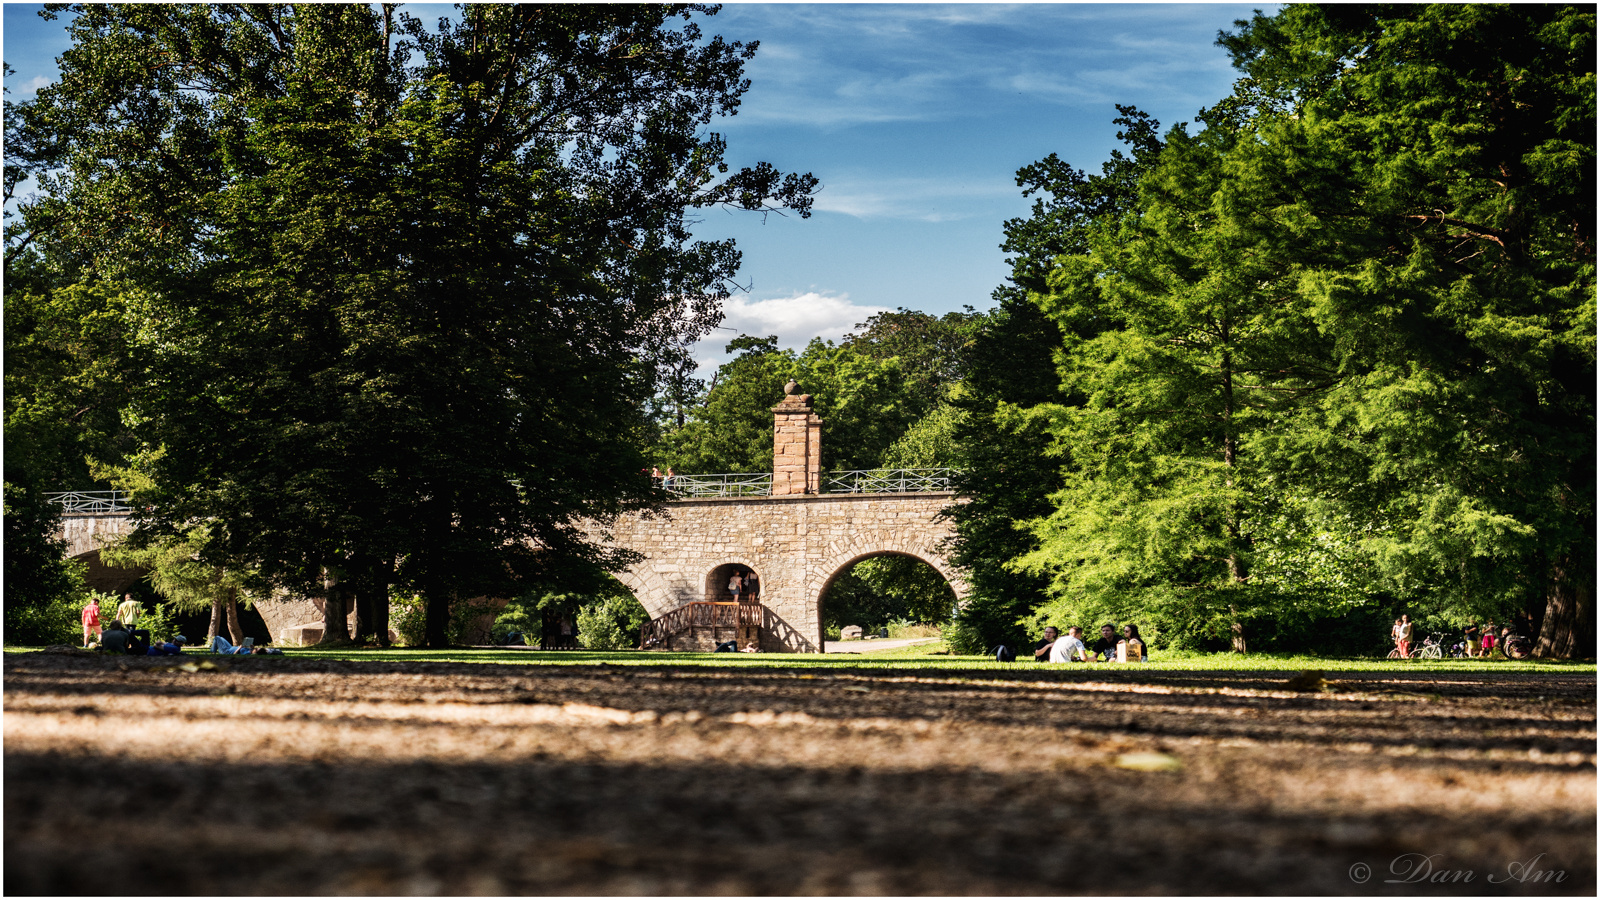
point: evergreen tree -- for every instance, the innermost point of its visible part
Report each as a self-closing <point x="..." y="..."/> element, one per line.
<point x="1008" y="462"/>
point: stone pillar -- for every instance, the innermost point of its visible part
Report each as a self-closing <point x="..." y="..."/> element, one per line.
<point x="796" y="445"/>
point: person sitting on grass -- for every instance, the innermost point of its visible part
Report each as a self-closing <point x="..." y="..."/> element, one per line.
<point x="1105" y="649"/>
<point x="1069" y="648"/>
<point x="220" y="644"/>
<point x="1138" y="651"/>
<point x="1041" y="650"/>
<point x="114" y="639"/>
<point x="173" y="647"/>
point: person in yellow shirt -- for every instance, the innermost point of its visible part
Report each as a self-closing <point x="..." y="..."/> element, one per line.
<point x="129" y="610"/>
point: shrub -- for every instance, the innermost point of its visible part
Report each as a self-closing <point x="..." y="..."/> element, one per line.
<point x="611" y="622"/>
<point x="55" y="621"/>
<point x="904" y="628"/>
<point x="160" y="620"/>
<point x="408" y="616"/>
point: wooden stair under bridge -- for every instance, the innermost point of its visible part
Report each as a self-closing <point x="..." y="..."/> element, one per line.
<point x="704" y="624"/>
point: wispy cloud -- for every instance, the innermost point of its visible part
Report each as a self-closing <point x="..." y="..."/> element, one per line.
<point x="795" y="320"/>
<point x="915" y="199"/>
<point x="837" y="66"/>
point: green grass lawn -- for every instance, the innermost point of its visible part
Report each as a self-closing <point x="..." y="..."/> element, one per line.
<point x="927" y="656"/>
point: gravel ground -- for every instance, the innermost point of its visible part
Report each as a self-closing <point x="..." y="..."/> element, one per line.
<point x="286" y="776"/>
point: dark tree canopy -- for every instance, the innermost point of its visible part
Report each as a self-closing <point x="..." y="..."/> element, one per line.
<point x="402" y="290"/>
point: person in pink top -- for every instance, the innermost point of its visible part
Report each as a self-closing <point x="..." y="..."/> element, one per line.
<point x="91" y="621"/>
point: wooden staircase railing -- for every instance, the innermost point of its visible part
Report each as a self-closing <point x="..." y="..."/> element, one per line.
<point x="700" y="613"/>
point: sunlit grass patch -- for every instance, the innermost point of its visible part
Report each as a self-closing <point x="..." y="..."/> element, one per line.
<point x="921" y="656"/>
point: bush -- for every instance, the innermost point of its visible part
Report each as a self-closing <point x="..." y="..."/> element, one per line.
<point x="516" y="617"/>
<point x="904" y="628"/>
<point x="56" y="621"/>
<point x="983" y="622"/>
<point x="408" y="616"/>
<point x="611" y="622"/>
<point x="44" y="591"/>
<point x="160" y="620"/>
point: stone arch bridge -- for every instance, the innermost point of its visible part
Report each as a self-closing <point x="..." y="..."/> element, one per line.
<point x="796" y="528"/>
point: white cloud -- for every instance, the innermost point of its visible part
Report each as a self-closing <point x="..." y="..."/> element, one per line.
<point x="795" y="320"/>
<point x="915" y="199"/>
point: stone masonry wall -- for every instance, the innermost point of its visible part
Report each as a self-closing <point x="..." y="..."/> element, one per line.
<point x="796" y="445"/>
<point x="797" y="544"/>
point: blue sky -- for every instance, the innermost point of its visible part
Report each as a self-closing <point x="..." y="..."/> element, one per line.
<point x="915" y="118"/>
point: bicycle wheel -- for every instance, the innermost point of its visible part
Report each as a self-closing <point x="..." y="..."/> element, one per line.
<point x="1396" y="654"/>
<point x="1517" y="650"/>
<point x="1431" y="651"/>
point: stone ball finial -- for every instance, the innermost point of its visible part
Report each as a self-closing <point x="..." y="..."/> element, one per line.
<point x="791" y="388"/>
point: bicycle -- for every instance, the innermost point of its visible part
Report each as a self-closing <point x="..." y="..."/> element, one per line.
<point x="1432" y="647"/>
<point x="1515" y="646"/>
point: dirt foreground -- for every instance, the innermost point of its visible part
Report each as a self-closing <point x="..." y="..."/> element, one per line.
<point x="286" y="776"/>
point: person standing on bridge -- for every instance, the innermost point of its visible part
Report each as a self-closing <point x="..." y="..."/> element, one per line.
<point x="752" y="587"/>
<point x="735" y="584"/>
<point x="91" y="620"/>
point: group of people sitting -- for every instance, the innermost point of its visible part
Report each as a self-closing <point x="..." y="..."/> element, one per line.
<point x="120" y="638"/>
<point x="123" y="638"/>
<point x="1071" y="648"/>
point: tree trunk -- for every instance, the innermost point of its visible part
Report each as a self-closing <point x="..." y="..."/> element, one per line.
<point x="436" y="634"/>
<point x="1568" y="629"/>
<point x="1230" y="454"/>
<point x="215" y="627"/>
<point x="235" y="631"/>
<point x="382" y="575"/>
<point x="361" y="598"/>
<point x="335" y="627"/>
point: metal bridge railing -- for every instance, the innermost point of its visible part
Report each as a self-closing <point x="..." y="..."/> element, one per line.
<point x="727" y="484"/>
<point x="887" y="481"/>
<point x="861" y="481"/>
<point x="91" y="503"/>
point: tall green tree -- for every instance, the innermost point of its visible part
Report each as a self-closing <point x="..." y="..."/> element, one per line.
<point x="1193" y="355"/>
<point x="1008" y="466"/>
<point x="1433" y="166"/>
<point x="866" y="404"/>
<point x="64" y="348"/>
<point x="403" y="289"/>
<point x="1361" y="302"/>
<point x="730" y="428"/>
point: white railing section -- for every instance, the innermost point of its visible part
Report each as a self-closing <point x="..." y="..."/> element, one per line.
<point x="726" y="484"/>
<point x="887" y="481"/>
<point x="92" y="503"/>
<point x="861" y="481"/>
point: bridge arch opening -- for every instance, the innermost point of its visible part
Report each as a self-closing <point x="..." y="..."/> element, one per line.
<point x="880" y="589"/>
<point x="717" y="587"/>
